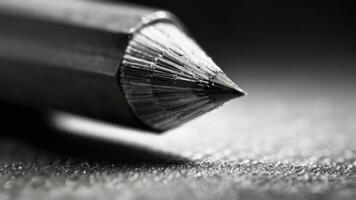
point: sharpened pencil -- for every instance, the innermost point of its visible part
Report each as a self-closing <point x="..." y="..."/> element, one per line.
<point x="116" y="62"/>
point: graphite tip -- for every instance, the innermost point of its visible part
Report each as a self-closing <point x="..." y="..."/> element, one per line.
<point x="223" y="85"/>
<point x="168" y="79"/>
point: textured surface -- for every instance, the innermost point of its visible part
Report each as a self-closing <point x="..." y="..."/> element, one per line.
<point x="168" y="79"/>
<point x="293" y="142"/>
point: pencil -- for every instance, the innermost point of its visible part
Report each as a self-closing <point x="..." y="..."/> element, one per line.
<point x="116" y="62"/>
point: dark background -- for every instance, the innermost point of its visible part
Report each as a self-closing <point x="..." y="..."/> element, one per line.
<point x="287" y="48"/>
<point x="268" y="37"/>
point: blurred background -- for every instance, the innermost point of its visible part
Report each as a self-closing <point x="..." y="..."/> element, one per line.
<point x="274" y="40"/>
<point x="293" y="136"/>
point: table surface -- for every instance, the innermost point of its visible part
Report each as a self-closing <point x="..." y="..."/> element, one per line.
<point x="283" y="140"/>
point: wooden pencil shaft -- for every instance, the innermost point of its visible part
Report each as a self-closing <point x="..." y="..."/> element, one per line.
<point x="67" y="56"/>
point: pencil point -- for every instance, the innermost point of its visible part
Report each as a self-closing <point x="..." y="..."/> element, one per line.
<point x="222" y="85"/>
<point x="168" y="79"/>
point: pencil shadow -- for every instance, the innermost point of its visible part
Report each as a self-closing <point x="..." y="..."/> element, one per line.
<point x="28" y="126"/>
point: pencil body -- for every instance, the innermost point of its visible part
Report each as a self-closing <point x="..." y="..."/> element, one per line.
<point x="67" y="61"/>
<point x="115" y="62"/>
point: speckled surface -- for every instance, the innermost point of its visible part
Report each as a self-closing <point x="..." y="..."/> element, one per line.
<point x="293" y="142"/>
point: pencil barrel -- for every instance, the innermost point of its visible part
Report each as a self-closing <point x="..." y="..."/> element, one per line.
<point x="51" y="61"/>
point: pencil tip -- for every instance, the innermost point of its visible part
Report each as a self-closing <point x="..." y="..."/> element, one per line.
<point x="222" y="85"/>
<point x="168" y="79"/>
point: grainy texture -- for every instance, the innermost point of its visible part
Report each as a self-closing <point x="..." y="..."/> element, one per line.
<point x="268" y="145"/>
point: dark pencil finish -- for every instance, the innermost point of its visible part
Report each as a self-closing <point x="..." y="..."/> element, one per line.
<point x="67" y="55"/>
